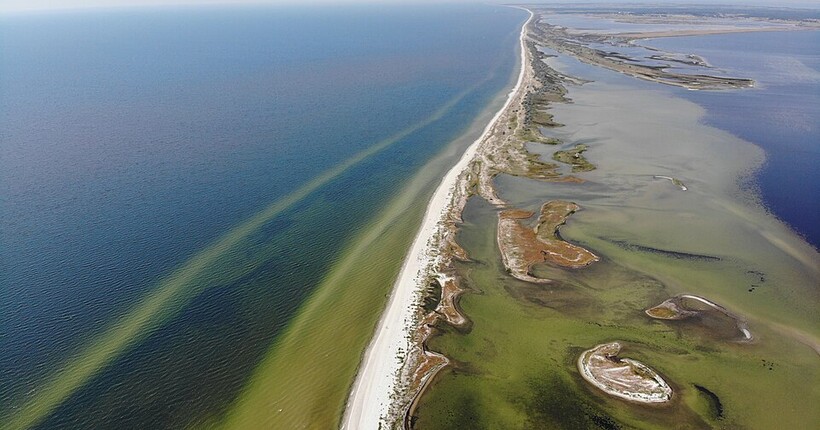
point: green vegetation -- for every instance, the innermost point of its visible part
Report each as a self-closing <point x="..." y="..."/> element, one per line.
<point x="531" y="134"/>
<point x="535" y="168"/>
<point x="544" y="119"/>
<point x="575" y="158"/>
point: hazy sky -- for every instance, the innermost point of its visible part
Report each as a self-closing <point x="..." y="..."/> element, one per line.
<point x="32" y="5"/>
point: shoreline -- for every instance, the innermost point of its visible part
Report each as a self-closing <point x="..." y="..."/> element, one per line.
<point x="623" y="378"/>
<point x="386" y="390"/>
<point x="580" y="46"/>
<point x="376" y="382"/>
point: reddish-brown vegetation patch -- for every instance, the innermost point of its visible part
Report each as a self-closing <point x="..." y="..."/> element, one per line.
<point x="523" y="246"/>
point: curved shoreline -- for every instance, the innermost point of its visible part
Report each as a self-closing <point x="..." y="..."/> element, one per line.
<point x="672" y="309"/>
<point x="624" y="378"/>
<point x="522" y="246"/>
<point x="371" y="397"/>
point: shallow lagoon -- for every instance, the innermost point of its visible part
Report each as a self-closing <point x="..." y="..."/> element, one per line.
<point x="515" y="368"/>
<point x="779" y="115"/>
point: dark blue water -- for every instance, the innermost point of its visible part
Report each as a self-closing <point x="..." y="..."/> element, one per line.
<point x="132" y="139"/>
<point x="781" y="115"/>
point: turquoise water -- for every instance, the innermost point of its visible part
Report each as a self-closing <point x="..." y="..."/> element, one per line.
<point x="133" y="139"/>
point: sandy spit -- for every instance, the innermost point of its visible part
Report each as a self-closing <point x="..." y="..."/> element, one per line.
<point x="373" y="391"/>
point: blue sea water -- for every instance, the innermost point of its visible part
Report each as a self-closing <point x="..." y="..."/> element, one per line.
<point x="131" y="139"/>
<point x="781" y="115"/>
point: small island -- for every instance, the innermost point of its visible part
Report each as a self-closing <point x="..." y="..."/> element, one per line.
<point x="402" y="363"/>
<point x="675" y="181"/>
<point x="687" y="306"/>
<point x="522" y="246"/>
<point x="622" y="377"/>
<point x="575" y="158"/>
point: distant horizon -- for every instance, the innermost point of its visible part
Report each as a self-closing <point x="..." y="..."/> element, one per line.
<point x="23" y="6"/>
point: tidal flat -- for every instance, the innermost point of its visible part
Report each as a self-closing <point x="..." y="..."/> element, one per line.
<point x="515" y="367"/>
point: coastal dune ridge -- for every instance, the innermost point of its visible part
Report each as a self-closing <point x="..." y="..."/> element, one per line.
<point x="376" y="383"/>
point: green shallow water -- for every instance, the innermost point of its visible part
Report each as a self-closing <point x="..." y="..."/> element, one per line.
<point x="232" y="257"/>
<point x="303" y="379"/>
<point x="516" y="366"/>
<point x="211" y="257"/>
<point x="306" y="376"/>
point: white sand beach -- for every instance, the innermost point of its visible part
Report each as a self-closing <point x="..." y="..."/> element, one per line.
<point x="373" y="391"/>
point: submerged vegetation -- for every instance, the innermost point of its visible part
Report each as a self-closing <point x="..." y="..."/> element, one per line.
<point x="521" y="363"/>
